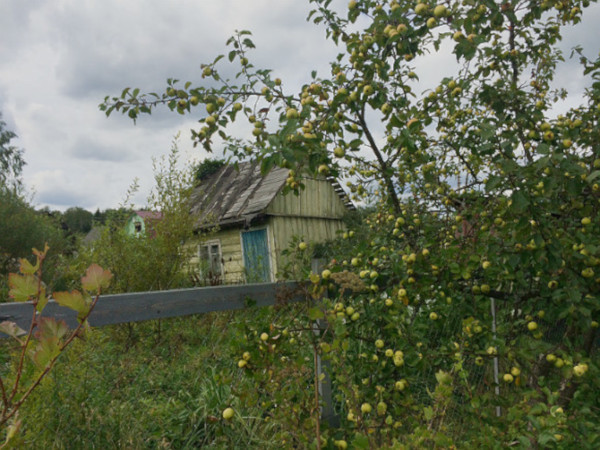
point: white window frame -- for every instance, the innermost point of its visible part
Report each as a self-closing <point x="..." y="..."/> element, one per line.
<point x="209" y="245"/>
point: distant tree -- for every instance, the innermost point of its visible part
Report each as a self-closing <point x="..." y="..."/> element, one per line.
<point x="99" y="217"/>
<point x="23" y="229"/>
<point x="11" y="159"/>
<point x="78" y="220"/>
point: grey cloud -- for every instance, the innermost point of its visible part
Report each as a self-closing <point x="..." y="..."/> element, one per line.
<point x="60" y="197"/>
<point x="15" y="21"/>
<point x="86" y="148"/>
<point x="109" y="46"/>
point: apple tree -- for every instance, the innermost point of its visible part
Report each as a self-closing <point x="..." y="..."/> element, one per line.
<point x="467" y="308"/>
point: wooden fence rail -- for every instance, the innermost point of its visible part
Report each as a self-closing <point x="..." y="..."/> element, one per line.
<point x="140" y="306"/>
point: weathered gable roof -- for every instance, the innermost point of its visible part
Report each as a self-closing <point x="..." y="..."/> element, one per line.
<point x="236" y="196"/>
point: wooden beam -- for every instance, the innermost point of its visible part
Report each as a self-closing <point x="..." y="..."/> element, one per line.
<point x="140" y="306"/>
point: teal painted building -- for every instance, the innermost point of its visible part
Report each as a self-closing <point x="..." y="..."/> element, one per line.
<point x="140" y="223"/>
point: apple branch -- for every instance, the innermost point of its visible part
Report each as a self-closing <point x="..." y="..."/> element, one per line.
<point x="15" y="407"/>
<point x="383" y="165"/>
<point x="32" y="326"/>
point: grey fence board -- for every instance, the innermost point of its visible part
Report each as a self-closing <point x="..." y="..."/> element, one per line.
<point x="140" y="306"/>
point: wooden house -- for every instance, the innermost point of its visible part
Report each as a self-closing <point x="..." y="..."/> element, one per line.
<point x="140" y="223"/>
<point x="255" y="222"/>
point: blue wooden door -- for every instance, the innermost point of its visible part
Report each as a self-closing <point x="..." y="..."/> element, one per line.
<point x="256" y="256"/>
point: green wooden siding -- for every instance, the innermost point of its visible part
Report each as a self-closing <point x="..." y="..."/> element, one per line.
<point x="317" y="199"/>
<point x="311" y="230"/>
<point x="130" y="227"/>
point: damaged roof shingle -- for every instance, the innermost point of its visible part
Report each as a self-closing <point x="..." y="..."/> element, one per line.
<point x="235" y="196"/>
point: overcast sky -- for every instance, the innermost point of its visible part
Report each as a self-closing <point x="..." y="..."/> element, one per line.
<point x="59" y="58"/>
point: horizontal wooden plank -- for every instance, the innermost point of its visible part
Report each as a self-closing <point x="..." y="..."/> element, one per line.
<point x="140" y="306"/>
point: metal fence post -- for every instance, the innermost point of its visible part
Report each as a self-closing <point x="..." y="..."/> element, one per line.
<point x="324" y="368"/>
<point x="496" y="375"/>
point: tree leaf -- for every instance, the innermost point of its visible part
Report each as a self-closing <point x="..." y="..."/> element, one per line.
<point x="27" y="268"/>
<point x="22" y="287"/>
<point x="360" y="441"/>
<point x="96" y="278"/>
<point x="315" y="313"/>
<point x="46" y="351"/>
<point x="73" y="300"/>
<point x="49" y="327"/>
<point x="11" y="329"/>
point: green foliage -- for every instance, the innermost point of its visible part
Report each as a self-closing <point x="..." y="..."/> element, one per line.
<point x="45" y="339"/>
<point x="117" y="390"/>
<point x="23" y="229"/>
<point x="78" y="220"/>
<point x="207" y="167"/>
<point x="156" y="260"/>
<point x="11" y="159"/>
<point x="482" y="252"/>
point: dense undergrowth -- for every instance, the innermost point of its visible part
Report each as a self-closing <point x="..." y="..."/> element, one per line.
<point x="149" y="385"/>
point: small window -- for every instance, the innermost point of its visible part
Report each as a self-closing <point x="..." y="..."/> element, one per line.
<point x="211" y="260"/>
<point x="138" y="227"/>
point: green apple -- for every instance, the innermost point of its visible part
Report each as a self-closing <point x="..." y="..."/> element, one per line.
<point x="228" y="413"/>
<point x="323" y="169"/>
<point x="291" y="113"/>
<point x="421" y="9"/>
<point x="440" y="11"/>
<point x="339" y="152"/>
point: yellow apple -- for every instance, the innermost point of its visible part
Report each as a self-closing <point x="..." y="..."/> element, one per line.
<point x="228" y="413"/>
<point x="421" y="8"/>
<point x="458" y="36"/>
<point x="440" y="11"/>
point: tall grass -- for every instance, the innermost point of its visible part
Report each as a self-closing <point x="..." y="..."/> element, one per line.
<point x="149" y="385"/>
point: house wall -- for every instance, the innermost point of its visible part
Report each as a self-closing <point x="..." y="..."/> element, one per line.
<point x="317" y="199"/>
<point x="314" y="215"/>
<point x="130" y="225"/>
<point x="231" y="253"/>
<point x="308" y="229"/>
